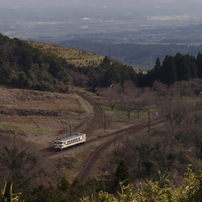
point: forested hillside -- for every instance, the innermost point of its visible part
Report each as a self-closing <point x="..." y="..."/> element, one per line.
<point x="24" y="66"/>
<point x="29" y="66"/>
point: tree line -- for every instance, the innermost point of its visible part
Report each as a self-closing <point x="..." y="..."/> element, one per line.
<point x="23" y="66"/>
<point x="177" y="68"/>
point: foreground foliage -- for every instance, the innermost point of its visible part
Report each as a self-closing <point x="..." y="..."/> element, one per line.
<point x="152" y="191"/>
<point x="162" y="190"/>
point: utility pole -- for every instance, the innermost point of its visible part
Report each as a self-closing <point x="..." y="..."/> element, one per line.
<point x="117" y="138"/>
<point x="148" y="120"/>
<point x="138" y="112"/>
<point x="70" y="129"/>
<point x="105" y="123"/>
<point x="200" y="95"/>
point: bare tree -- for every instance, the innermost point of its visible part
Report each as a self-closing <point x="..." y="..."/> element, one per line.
<point x="184" y="88"/>
<point x="130" y="93"/>
<point x="135" y="98"/>
<point x="146" y="98"/>
<point x="112" y="95"/>
<point x="180" y="88"/>
<point x="175" y="111"/>
<point x="160" y="88"/>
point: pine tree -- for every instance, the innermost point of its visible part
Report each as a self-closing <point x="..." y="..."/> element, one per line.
<point x="75" y="190"/>
<point x="199" y="64"/>
<point x="182" y="67"/>
<point x="121" y="175"/>
<point x="64" y="184"/>
<point x="106" y="60"/>
<point x="157" y="68"/>
<point x="193" y="67"/>
<point x="169" y="70"/>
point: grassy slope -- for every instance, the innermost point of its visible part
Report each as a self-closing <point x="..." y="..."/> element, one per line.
<point x="72" y="56"/>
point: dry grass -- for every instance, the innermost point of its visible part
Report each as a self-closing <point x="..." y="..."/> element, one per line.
<point x="72" y="56"/>
<point x="35" y="132"/>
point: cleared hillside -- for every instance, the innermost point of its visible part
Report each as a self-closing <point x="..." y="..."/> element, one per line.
<point x="73" y="56"/>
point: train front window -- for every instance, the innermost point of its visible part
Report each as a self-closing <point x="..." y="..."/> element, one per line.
<point x="61" y="142"/>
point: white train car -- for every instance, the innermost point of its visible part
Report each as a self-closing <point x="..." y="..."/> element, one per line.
<point x="70" y="141"/>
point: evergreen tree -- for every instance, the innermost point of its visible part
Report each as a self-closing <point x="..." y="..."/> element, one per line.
<point x="145" y="157"/>
<point x="169" y="70"/>
<point x="121" y="175"/>
<point x="193" y="67"/>
<point x="22" y="78"/>
<point x="157" y="68"/>
<point x="199" y="64"/>
<point x="106" y="60"/>
<point x="182" y="67"/>
<point x="111" y="76"/>
<point x="64" y="184"/>
<point x="75" y="193"/>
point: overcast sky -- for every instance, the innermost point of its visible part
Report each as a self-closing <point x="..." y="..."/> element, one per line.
<point x="87" y="2"/>
<point x="143" y="7"/>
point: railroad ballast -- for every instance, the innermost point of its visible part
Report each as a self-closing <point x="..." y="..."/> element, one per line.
<point x="70" y="141"/>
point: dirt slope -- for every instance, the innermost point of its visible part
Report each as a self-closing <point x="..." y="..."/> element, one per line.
<point x="32" y="120"/>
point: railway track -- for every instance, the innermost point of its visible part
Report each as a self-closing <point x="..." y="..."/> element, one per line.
<point x="98" y="114"/>
<point x="94" y="123"/>
<point x="83" y="175"/>
<point x="53" y="153"/>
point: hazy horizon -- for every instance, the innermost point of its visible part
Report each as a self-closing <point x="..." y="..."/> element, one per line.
<point x="111" y="3"/>
<point x="32" y="19"/>
<point x="110" y="22"/>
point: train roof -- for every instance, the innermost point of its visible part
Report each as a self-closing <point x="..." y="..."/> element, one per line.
<point x="71" y="137"/>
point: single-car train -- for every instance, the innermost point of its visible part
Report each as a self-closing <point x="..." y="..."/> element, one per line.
<point x="70" y="141"/>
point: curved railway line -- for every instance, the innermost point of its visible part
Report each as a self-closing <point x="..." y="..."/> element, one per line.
<point x="98" y="116"/>
<point x="94" y="124"/>
<point x="84" y="173"/>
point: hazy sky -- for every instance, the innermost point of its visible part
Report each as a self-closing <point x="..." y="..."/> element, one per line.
<point x="110" y="3"/>
<point x="138" y="7"/>
<point x="84" y="2"/>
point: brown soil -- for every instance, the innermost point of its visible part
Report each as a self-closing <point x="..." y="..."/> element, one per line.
<point x="40" y="115"/>
<point x="33" y="120"/>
